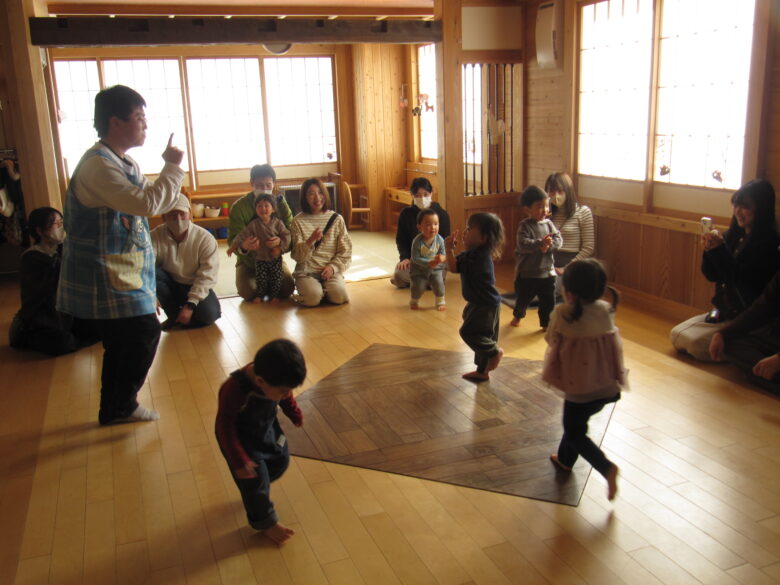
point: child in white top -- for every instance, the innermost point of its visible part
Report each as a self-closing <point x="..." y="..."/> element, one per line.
<point x="427" y="261"/>
<point x="585" y="361"/>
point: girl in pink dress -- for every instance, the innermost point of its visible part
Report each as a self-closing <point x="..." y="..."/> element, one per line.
<point x="584" y="360"/>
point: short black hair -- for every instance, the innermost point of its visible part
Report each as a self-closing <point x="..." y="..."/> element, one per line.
<point x="42" y="218"/>
<point x="260" y="171"/>
<point x="119" y="101"/>
<point x="423" y="212"/>
<point x="531" y="195"/>
<point x="420" y="182"/>
<point x="280" y="363"/>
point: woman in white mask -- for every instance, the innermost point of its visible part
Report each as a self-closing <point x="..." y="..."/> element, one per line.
<point x="574" y="221"/>
<point x="38" y="325"/>
<point x="422" y="192"/>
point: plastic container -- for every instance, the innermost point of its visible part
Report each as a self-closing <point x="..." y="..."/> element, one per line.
<point x="211" y="211"/>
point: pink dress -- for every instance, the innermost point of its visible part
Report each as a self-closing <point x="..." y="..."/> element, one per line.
<point x="584" y="359"/>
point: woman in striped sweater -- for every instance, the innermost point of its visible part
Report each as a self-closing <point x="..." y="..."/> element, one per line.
<point x="574" y="221"/>
<point x="321" y="247"/>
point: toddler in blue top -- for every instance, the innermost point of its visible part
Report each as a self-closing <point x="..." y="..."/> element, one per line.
<point x="428" y="258"/>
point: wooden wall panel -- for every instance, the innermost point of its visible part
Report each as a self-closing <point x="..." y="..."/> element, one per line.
<point x="617" y="245"/>
<point x="665" y="263"/>
<point x="380" y="136"/>
<point x="506" y="207"/>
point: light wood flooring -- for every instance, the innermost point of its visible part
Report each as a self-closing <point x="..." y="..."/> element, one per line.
<point x="698" y="500"/>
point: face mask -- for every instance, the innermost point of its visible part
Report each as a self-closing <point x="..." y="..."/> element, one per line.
<point x="262" y="192"/>
<point x="177" y="226"/>
<point x="56" y="234"/>
<point x="558" y="199"/>
<point x="422" y="202"/>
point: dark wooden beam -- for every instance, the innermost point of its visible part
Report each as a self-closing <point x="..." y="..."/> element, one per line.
<point x="104" y="31"/>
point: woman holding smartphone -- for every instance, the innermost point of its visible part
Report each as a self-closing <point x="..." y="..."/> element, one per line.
<point x="740" y="263"/>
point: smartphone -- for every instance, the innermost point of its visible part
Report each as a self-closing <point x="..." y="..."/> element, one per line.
<point x="706" y="224"/>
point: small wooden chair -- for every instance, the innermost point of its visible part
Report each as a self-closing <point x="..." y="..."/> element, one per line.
<point x="350" y="208"/>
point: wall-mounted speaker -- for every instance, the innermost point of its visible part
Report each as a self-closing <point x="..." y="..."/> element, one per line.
<point x="549" y="34"/>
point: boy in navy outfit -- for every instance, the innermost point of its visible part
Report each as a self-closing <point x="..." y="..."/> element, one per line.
<point x="249" y="434"/>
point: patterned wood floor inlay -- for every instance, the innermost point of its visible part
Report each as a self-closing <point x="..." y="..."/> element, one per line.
<point x="406" y="410"/>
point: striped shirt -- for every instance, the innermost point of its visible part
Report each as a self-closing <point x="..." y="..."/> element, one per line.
<point x="335" y="248"/>
<point x="579" y="235"/>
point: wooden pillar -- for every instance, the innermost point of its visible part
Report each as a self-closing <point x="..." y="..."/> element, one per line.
<point x="450" y="111"/>
<point x="27" y="105"/>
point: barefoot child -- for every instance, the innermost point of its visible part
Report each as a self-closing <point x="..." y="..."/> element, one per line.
<point x="249" y="434"/>
<point x="483" y="239"/>
<point x="537" y="238"/>
<point x="428" y="258"/>
<point x="585" y="361"/>
<point x="274" y="239"/>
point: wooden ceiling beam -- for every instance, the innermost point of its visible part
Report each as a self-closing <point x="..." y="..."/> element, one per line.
<point x="104" y="31"/>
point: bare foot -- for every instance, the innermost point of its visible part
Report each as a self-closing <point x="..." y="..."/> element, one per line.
<point x="612" y="482"/>
<point x="273" y="301"/>
<point x="558" y="464"/>
<point x="279" y="533"/>
<point x="476" y="376"/>
<point x="414" y="306"/>
<point x="495" y="360"/>
<point x="515" y="322"/>
<point x="257" y="301"/>
<point x="441" y="307"/>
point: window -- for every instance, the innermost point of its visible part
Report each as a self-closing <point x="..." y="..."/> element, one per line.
<point x="224" y="126"/>
<point x="701" y="92"/>
<point x="301" y="116"/>
<point x="427" y="100"/>
<point x="77" y="85"/>
<point x="226" y="105"/>
<point x="615" y="61"/>
<point x="159" y="82"/>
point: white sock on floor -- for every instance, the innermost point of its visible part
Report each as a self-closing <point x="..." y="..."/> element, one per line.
<point x="141" y="414"/>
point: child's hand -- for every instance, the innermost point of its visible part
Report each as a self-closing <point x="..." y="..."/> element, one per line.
<point x="546" y="243"/>
<point x="451" y="241"/>
<point x="273" y="242"/>
<point x="248" y="471"/>
<point x="230" y="251"/>
<point x="438" y="259"/>
<point x="276" y="252"/>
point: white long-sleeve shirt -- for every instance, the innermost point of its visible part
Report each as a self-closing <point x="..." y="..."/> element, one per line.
<point x="193" y="261"/>
<point x="99" y="184"/>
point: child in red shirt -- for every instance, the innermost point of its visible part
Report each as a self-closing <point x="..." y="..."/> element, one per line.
<point x="249" y="434"/>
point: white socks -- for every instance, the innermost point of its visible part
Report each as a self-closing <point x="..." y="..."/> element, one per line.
<point x="140" y="414"/>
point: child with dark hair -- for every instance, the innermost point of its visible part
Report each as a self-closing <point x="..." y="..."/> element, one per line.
<point x="249" y="434"/>
<point x="428" y="258"/>
<point x="584" y="360"/>
<point x="274" y="239"/>
<point x="537" y="237"/>
<point x="483" y="239"/>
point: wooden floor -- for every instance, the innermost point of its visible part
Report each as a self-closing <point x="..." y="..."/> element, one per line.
<point x="407" y="410"/>
<point x="699" y="498"/>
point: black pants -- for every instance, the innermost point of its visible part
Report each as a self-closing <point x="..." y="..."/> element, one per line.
<point x="480" y="332"/>
<point x="130" y="345"/>
<point x="575" y="440"/>
<point x="172" y="296"/>
<point x="748" y="350"/>
<point x="268" y="277"/>
<point x="527" y="288"/>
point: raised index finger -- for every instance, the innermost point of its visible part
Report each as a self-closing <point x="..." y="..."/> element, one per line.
<point x="170" y="140"/>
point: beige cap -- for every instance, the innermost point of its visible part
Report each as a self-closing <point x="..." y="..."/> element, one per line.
<point x="182" y="203"/>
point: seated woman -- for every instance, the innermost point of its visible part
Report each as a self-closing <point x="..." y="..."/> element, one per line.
<point x="752" y="339"/>
<point x="406" y="231"/>
<point x="321" y="246"/>
<point x="38" y="325"/>
<point x="574" y="221"/>
<point x="740" y="263"/>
